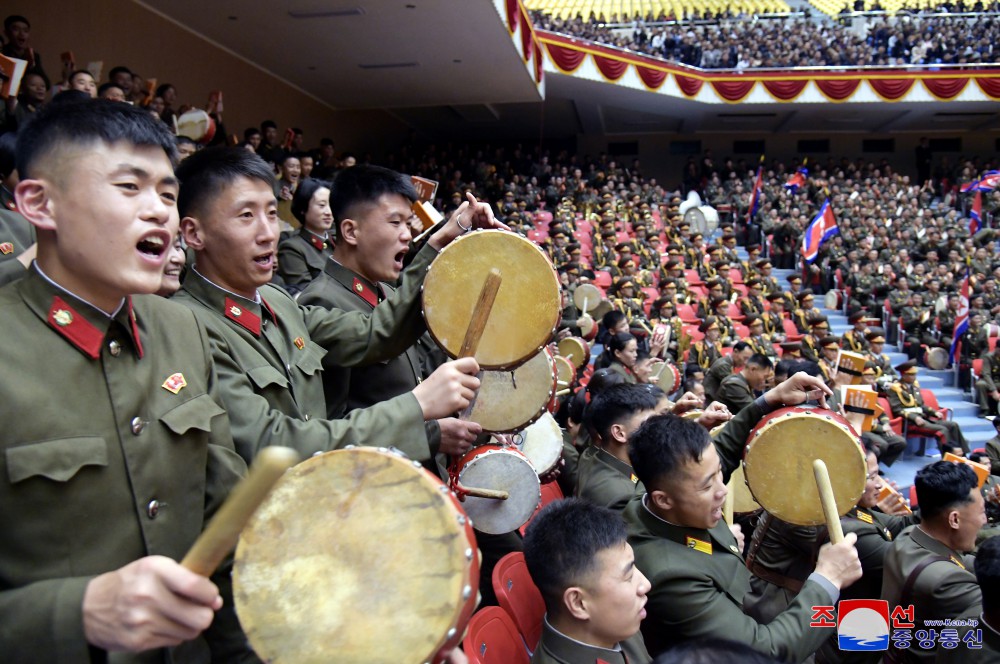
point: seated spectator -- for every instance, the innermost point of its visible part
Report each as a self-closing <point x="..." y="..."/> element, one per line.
<point x="303" y="255"/>
<point x="594" y="595"/>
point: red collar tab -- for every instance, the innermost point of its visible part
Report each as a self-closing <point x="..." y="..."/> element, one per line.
<point x="135" y="329"/>
<point x="242" y="316"/>
<point x="270" y="311"/>
<point x="317" y="242"/>
<point x="75" y="328"/>
<point x="365" y="292"/>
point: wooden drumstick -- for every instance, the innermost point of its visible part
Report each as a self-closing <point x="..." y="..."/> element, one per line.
<point x="476" y="492"/>
<point x="481" y="314"/>
<point x="828" y="501"/>
<point x="727" y="507"/>
<point x="585" y="302"/>
<point x="659" y="372"/>
<point x="223" y="531"/>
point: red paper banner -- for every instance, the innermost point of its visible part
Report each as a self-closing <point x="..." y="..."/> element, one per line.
<point x="837" y="90"/>
<point x="611" y="69"/>
<point x="567" y="59"/>
<point x="512" y="12"/>
<point x="733" y="90"/>
<point x="989" y="86"/>
<point x="891" y="89"/>
<point x="651" y="78"/>
<point x="785" y="90"/>
<point x="689" y="86"/>
<point x="945" y="88"/>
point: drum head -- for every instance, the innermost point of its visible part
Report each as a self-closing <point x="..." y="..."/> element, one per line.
<point x="666" y="377"/>
<point x="831" y="300"/>
<point x="603" y="308"/>
<point x="588" y="294"/>
<point x="543" y="443"/>
<point x="779" y="457"/>
<point x="344" y="540"/>
<point x="575" y="350"/>
<point x="509" y="400"/>
<point x="493" y="467"/>
<point x="937" y="359"/>
<point x="527" y="306"/>
<point x="742" y="498"/>
<point x="588" y="327"/>
<point x="565" y="372"/>
<point x="197" y="125"/>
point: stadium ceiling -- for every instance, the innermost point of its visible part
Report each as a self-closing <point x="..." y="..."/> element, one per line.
<point x="449" y="68"/>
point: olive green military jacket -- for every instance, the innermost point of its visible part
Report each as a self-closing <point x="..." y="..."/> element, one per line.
<point x="269" y="358"/>
<point x="115" y="447"/>
<point x="16" y="235"/>
<point x="348" y="389"/>
<point x="557" y="648"/>
<point x="699" y="579"/>
<point x="301" y="258"/>
<point x="620" y="368"/>
<point x="993" y="452"/>
<point x="721" y="369"/>
<point x="735" y="393"/>
<point x="944" y="589"/>
<point x="606" y="480"/>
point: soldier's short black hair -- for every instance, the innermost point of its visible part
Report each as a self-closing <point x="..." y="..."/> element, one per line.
<point x="616" y="404"/>
<point x="205" y="173"/>
<point x="760" y="360"/>
<point x="59" y="128"/>
<point x="943" y="485"/>
<point x="118" y="70"/>
<point x="303" y="195"/>
<point x="562" y="543"/>
<point x="988" y="573"/>
<point x="250" y="131"/>
<point x="8" y="142"/>
<point x="611" y="319"/>
<point x="663" y="445"/>
<point x="740" y="346"/>
<point x="365" y="184"/>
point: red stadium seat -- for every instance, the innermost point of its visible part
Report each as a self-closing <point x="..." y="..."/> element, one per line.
<point x="651" y="293"/>
<point x="742" y="331"/>
<point x="791" y="332"/>
<point x="913" y="497"/>
<point x="519" y="597"/>
<point x="687" y="314"/>
<point x="895" y="423"/>
<point x="602" y="279"/>
<point x="726" y="350"/>
<point x="977" y="368"/>
<point x="930" y="400"/>
<point x="735" y="276"/>
<point x="741" y="289"/>
<point x="537" y="236"/>
<point x="693" y="278"/>
<point x="492" y="638"/>
<point x="623" y="236"/>
<point x="991" y="341"/>
<point x="551" y="491"/>
<point x="693" y="332"/>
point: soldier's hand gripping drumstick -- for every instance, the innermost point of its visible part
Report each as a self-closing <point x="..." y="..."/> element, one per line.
<point x="797" y="390"/>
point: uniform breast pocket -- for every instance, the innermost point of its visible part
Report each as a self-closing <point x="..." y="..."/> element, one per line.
<point x="196" y="413"/>
<point x="58" y="460"/>
<point x="309" y="360"/>
<point x="265" y="377"/>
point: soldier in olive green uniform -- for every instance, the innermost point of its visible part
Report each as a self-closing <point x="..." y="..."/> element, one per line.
<point x="704" y="353"/>
<point x="737" y="391"/>
<point x="724" y="367"/>
<point x="357" y="279"/>
<point x="854" y="339"/>
<point x="269" y="351"/>
<point x="699" y="579"/>
<point x="926" y="566"/>
<point x="884" y="371"/>
<point x="604" y="474"/>
<point x="987" y="568"/>
<point x="117" y="449"/>
<point x="303" y="255"/>
<point x="594" y="596"/>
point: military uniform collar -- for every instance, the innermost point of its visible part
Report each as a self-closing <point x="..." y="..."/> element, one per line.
<point x="319" y="242"/>
<point x="616" y="463"/>
<point x="684" y="535"/>
<point x="368" y="291"/>
<point x="935" y="546"/>
<point x="248" y="314"/>
<point x="76" y="320"/>
<point x="865" y="515"/>
<point x="568" y="649"/>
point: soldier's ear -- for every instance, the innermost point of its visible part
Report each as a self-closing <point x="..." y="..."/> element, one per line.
<point x="348" y="231"/>
<point x="661" y="500"/>
<point x="954" y="519"/>
<point x="575" y="602"/>
<point x="34" y="202"/>
<point x="193" y="233"/>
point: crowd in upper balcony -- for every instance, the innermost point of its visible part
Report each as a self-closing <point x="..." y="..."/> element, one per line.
<point x="736" y="41"/>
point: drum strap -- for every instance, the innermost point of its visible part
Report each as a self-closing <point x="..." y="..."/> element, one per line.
<point x="893" y="655"/>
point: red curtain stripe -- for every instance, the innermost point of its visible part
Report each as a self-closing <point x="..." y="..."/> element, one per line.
<point x="891" y="88"/>
<point x="611" y="69"/>
<point x="689" y="86"/>
<point x="838" y="90"/>
<point x="733" y="90"/>
<point x="651" y="78"/>
<point x="785" y="90"/>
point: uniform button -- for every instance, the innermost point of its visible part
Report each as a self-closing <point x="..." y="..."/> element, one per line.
<point x="115" y="348"/>
<point x="152" y="509"/>
<point x="307" y="417"/>
<point x="138" y="425"/>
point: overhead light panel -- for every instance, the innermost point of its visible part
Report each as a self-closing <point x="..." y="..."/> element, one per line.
<point x="390" y="65"/>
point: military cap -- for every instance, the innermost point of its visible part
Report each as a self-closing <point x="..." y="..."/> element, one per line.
<point x="804" y="295"/>
<point x="709" y="323"/>
<point x="752" y="320"/>
<point x="763" y="264"/>
<point x="908" y="367"/>
<point x="791" y="346"/>
<point x="830" y="341"/>
<point x="876" y="336"/>
<point x="856" y="317"/>
<point x="794" y="279"/>
<point x="753" y="281"/>
<point x="776" y="296"/>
